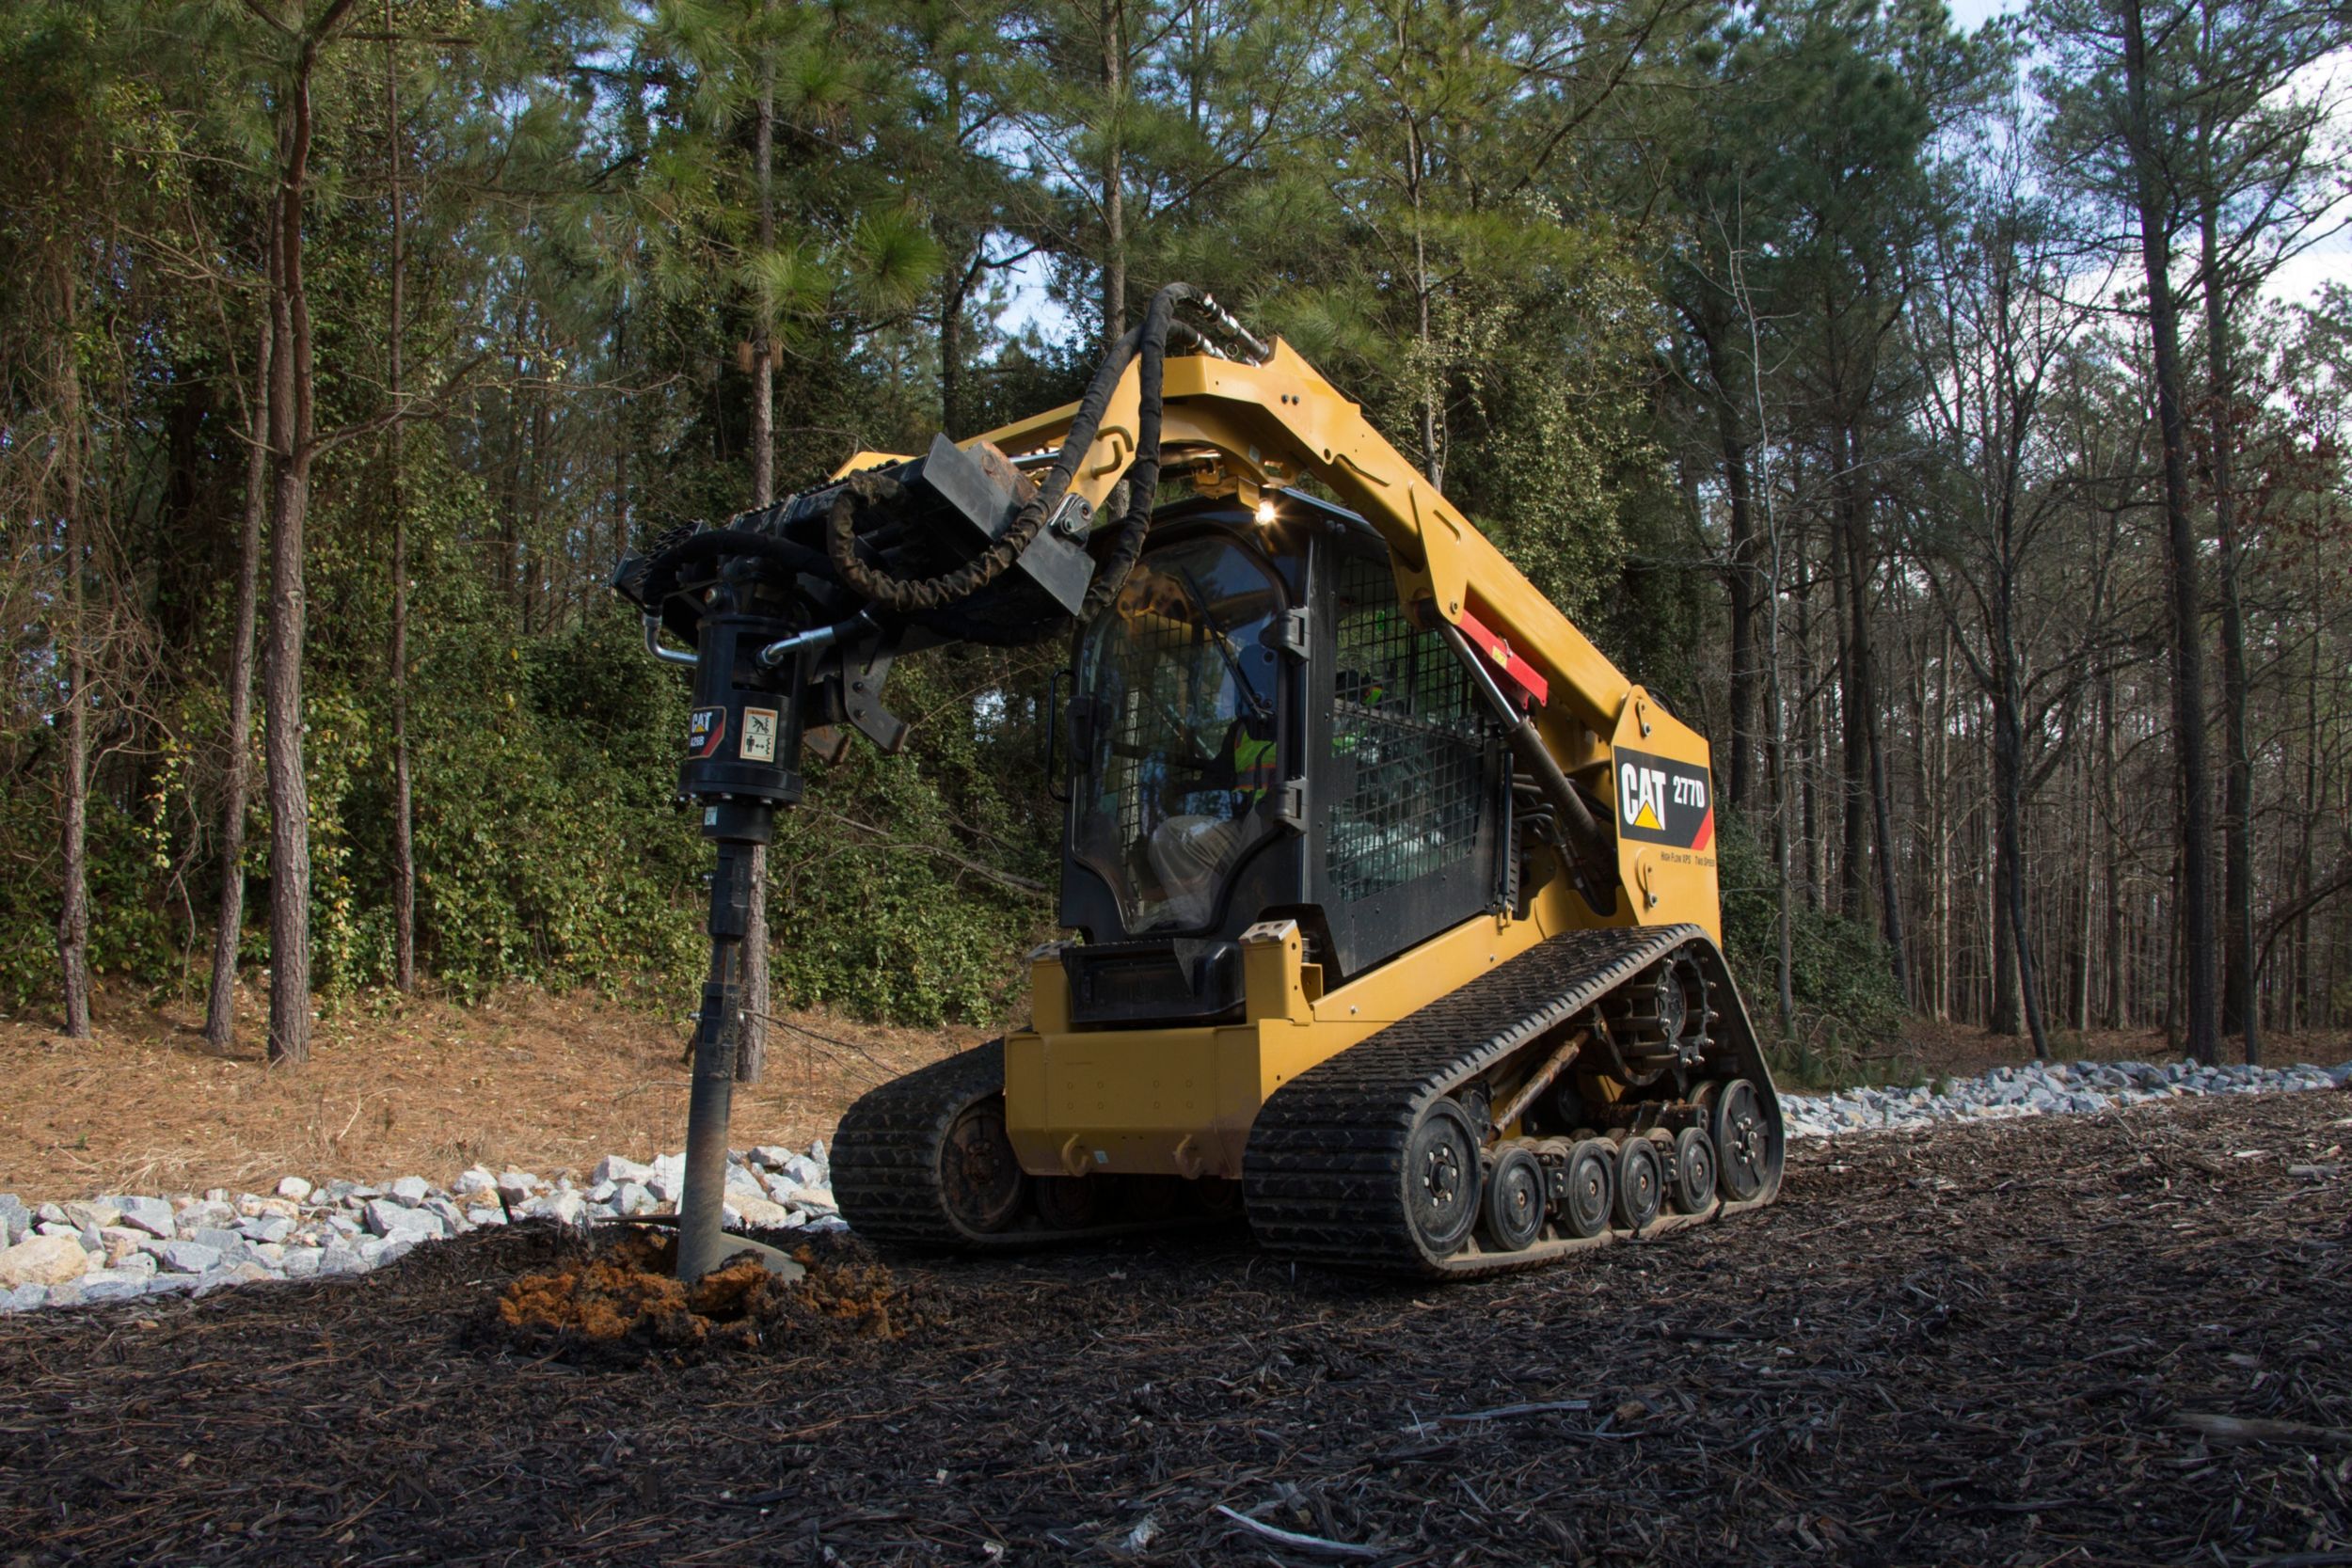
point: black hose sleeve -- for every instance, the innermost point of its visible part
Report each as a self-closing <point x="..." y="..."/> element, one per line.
<point x="1143" y="474"/>
<point x="659" y="578"/>
<point x="949" y="588"/>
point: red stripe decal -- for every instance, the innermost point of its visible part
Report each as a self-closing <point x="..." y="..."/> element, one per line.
<point x="1706" y="830"/>
<point x="1514" y="668"/>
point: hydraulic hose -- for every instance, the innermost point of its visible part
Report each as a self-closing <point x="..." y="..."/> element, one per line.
<point x="1143" y="474"/>
<point x="865" y="491"/>
<point x="950" y="588"/>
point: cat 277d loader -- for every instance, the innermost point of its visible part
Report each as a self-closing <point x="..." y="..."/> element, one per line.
<point x="1395" y="906"/>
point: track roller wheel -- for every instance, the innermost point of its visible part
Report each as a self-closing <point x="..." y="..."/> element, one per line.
<point x="1745" y="1150"/>
<point x="1441" y="1178"/>
<point x="1071" y="1202"/>
<point x="1694" y="1186"/>
<point x="1152" y="1197"/>
<point x="1641" y="1182"/>
<point x="980" y="1178"/>
<point x="1513" y="1202"/>
<point x="1588" y="1189"/>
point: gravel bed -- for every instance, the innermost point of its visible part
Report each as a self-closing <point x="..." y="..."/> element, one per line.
<point x="2042" y="1090"/>
<point x="120" y="1247"/>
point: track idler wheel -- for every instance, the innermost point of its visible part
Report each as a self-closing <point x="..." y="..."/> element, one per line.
<point x="1745" y="1151"/>
<point x="1641" y="1184"/>
<point x="983" y="1182"/>
<point x="1441" y="1171"/>
<point x="1588" y="1189"/>
<point x="1513" y="1202"/>
<point x="1693" y="1190"/>
<point x="1071" y="1202"/>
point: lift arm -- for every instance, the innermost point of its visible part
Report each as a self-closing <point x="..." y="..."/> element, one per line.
<point x="1273" y="422"/>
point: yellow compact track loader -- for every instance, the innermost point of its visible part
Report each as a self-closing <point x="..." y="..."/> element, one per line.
<point x="1395" y="906"/>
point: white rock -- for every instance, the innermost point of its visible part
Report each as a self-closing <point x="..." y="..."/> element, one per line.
<point x="114" y="1285"/>
<point x="44" y="1260"/>
<point x="813" y="1198"/>
<point x="233" y="1273"/>
<point x="758" y="1213"/>
<point x="94" y="1215"/>
<point x="151" y="1214"/>
<point x="772" y="1155"/>
<point x="302" y="1262"/>
<point x="16" y="1221"/>
<point x="478" y="1218"/>
<point x="668" y="1179"/>
<point x="475" y="1178"/>
<point x="807" y="1172"/>
<point x="339" y="1260"/>
<point x="295" y="1188"/>
<point x="518" y="1187"/>
<point x="120" y="1241"/>
<point x="191" y="1258"/>
<point x="632" y="1199"/>
<point x="391" y="1218"/>
<point x="23" y="1298"/>
<point x="566" y="1208"/>
<point x="616" y="1170"/>
<point x="411" y="1190"/>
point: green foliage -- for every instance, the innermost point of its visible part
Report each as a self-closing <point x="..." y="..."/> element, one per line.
<point x="1841" y="975"/>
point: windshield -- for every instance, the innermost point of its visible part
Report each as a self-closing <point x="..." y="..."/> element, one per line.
<point x="1177" y="730"/>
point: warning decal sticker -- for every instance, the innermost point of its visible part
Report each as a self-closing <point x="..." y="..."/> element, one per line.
<point x="705" y="731"/>
<point x="759" y="735"/>
<point x="1663" y="801"/>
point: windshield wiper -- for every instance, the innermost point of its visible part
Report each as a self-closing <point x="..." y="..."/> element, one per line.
<point x="1259" y="707"/>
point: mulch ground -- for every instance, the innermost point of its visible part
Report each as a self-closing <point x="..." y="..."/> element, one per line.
<point x="2120" y="1340"/>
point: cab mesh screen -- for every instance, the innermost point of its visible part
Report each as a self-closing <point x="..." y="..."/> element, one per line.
<point x="1407" y="746"/>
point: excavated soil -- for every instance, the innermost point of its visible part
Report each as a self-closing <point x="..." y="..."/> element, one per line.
<point x="620" y="1301"/>
<point x="2120" y="1340"/>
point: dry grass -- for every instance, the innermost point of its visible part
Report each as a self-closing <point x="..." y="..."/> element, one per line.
<point x="546" y="1084"/>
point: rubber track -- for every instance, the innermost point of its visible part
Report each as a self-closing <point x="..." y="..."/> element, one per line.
<point x="1323" y="1176"/>
<point x="886" y="1164"/>
<point x="885" y="1153"/>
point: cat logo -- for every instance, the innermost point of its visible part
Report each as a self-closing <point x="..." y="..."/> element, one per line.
<point x="708" y="729"/>
<point x="1661" y="800"/>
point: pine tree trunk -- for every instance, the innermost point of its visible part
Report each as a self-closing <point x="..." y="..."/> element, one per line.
<point x="404" y="840"/>
<point x="2199" y="979"/>
<point x="73" y="794"/>
<point x="2241" y="1013"/>
<point x="1740" y="588"/>
<point x="751" y="1035"/>
<point x="2009" y="787"/>
<point x="220" y="1006"/>
<point x="295" y="442"/>
<point x="1114" y="18"/>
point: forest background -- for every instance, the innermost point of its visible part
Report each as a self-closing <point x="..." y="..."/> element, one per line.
<point x="1918" y="410"/>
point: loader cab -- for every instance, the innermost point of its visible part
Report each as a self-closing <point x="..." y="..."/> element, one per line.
<point x="1257" y="729"/>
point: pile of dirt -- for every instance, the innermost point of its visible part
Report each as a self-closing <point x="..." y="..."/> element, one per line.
<point x="625" y="1299"/>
